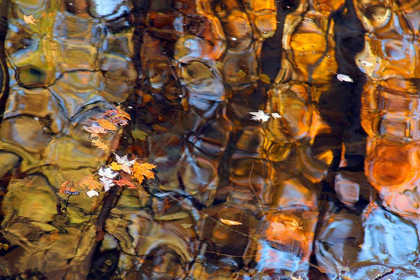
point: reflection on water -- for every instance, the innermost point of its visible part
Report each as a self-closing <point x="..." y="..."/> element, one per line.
<point x="265" y="139"/>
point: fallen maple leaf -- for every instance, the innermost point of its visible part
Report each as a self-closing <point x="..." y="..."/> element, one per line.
<point x="95" y="130"/>
<point x="98" y="143"/>
<point x="107" y="183"/>
<point x="115" y="166"/>
<point x="125" y="163"/>
<point x="107" y="172"/>
<point x="68" y="188"/>
<point x="66" y="185"/>
<point x="124" y="182"/>
<point x="29" y="19"/>
<point x="142" y="170"/>
<point x="122" y="113"/>
<point x="106" y="124"/>
<point x="230" y="222"/>
<point x="90" y="183"/>
<point x="260" y="116"/>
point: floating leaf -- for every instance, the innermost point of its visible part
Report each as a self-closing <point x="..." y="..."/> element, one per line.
<point x="344" y="78"/>
<point x="98" y="143"/>
<point x="143" y="170"/>
<point x="106" y="124"/>
<point x="186" y="225"/>
<point x="260" y="116"/>
<point x="115" y="166"/>
<point x="29" y="19"/>
<point x="66" y="186"/>
<point x="95" y="130"/>
<point x="107" y="183"/>
<point x="90" y="183"/>
<point x="264" y="78"/>
<point x="107" y="172"/>
<point x="230" y="222"/>
<point x="276" y="115"/>
<point x="122" y="113"/>
<point x="92" y="193"/>
<point x="124" y="182"/>
<point x="138" y="134"/>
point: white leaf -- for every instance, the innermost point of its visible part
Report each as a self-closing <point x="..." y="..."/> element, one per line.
<point x="260" y="116"/>
<point x="366" y="63"/>
<point x="344" y="78"/>
<point x="276" y="115"/>
<point x="107" y="183"/>
<point x="107" y="172"/>
<point x="124" y="160"/>
<point x="92" y="193"/>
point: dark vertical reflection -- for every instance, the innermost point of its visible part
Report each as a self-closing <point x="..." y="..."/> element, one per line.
<point x="340" y="108"/>
<point x="3" y="68"/>
<point x="272" y="47"/>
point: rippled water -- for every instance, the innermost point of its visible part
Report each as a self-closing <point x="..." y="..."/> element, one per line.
<point x="264" y="139"/>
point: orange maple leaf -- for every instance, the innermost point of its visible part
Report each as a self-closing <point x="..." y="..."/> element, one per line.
<point x="98" y="143"/>
<point x="123" y="114"/>
<point x="143" y="170"/>
<point x="106" y="124"/>
<point x="124" y="182"/>
<point x="90" y="183"/>
<point x="66" y="186"/>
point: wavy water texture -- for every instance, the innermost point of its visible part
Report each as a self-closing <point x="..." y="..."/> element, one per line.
<point x="324" y="186"/>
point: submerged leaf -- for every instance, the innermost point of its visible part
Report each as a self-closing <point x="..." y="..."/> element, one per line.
<point x="138" y="134"/>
